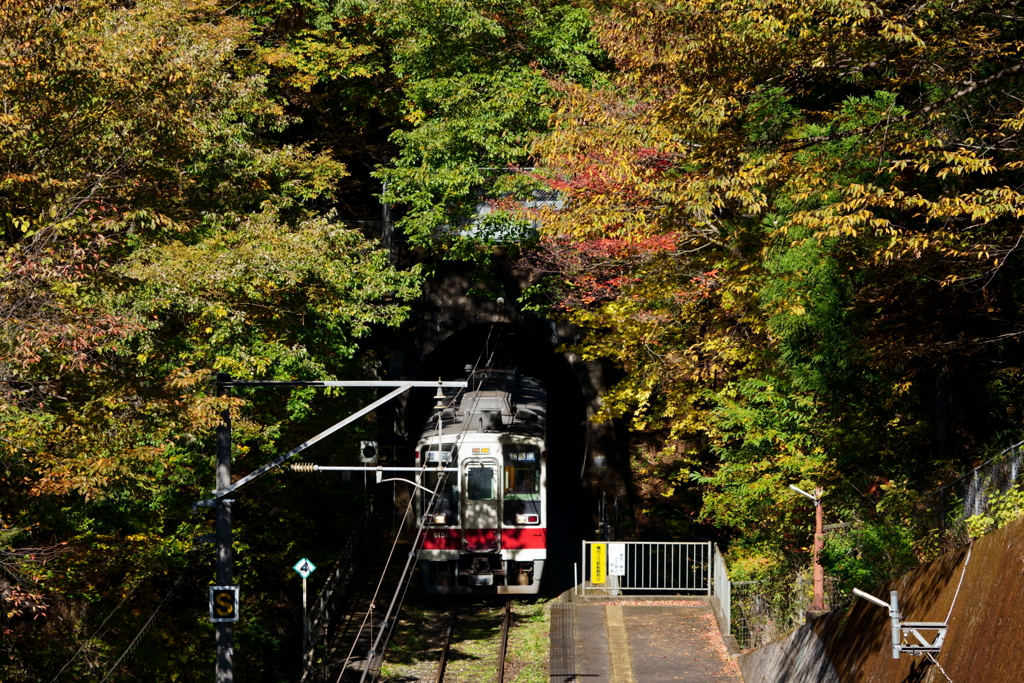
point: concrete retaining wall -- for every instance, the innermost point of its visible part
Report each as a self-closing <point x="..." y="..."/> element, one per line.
<point x="852" y="645"/>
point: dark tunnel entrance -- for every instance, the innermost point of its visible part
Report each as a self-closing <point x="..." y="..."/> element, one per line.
<point x="507" y="345"/>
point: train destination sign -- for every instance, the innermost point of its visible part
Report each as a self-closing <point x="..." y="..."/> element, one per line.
<point x="304" y="568"/>
<point x="223" y="603"/>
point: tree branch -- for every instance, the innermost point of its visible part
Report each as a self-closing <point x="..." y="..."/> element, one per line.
<point x="801" y="143"/>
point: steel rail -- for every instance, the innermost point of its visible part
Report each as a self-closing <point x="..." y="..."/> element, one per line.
<point x="506" y="621"/>
<point x="443" y="661"/>
<point x="504" y="640"/>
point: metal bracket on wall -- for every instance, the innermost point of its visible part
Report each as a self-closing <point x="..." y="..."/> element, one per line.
<point x="914" y="628"/>
<point x="900" y="630"/>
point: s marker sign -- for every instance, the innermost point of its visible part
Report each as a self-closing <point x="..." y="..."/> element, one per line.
<point x="223" y="603"/>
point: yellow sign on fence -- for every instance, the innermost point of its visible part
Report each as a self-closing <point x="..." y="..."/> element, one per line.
<point x="598" y="562"/>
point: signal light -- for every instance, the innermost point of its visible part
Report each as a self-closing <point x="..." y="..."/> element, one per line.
<point x="527" y="519"/>
<point x="368" y="451"/>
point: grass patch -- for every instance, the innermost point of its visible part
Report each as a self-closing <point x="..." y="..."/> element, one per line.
<point x="415" y="647"/>
<point x="529" y="643"/>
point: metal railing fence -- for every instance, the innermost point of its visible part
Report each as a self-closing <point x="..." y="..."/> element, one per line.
<point x="652" y="566"/>
<point x="721" y="588"/>
<point x="326" y="601"/>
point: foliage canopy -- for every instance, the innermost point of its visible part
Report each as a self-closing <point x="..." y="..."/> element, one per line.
<point x="154" y="230"/>
<point x="795" y="225"/>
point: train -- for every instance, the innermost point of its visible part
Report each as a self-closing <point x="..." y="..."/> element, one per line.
<point x="483" y="451"/>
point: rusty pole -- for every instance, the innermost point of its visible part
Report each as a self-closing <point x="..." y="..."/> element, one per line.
<point x="818" y="604"/>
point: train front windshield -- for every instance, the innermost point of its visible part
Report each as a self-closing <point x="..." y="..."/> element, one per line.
<point x="480" y="483"/>
<point x="522" y="486"/>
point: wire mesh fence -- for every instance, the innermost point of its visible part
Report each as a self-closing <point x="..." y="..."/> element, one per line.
<point x="382" y="232"/>
<point x="763" y="612"/>
<point x="973" y="493"/>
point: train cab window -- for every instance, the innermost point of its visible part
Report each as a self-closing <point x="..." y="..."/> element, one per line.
<point x="522" y="487"/>
<point x="480" y="483"/>
<point x="449" y="491"/>
<point x="522" y="473"/>
<point x="445" y="509"/>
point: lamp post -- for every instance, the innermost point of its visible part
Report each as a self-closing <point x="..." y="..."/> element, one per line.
<point x="818" y="603"/>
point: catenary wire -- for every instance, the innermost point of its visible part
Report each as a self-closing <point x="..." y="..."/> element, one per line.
<point x="142" y="632"/>
<point x="404" y="581"/>
<point x="96" y="632"/>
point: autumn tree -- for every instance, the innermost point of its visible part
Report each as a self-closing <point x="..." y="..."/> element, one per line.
<point x="837" y="190"/>
<point x="154" y="230"/>
<point x="476" y="83"/>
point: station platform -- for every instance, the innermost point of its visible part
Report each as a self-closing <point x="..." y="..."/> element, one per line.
<point x="633" y="639"/>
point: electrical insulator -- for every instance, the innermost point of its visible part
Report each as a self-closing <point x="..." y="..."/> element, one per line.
<point x="303" y="467"/>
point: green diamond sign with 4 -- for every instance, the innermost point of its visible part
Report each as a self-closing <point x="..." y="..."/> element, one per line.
<point x="304" y="567"/>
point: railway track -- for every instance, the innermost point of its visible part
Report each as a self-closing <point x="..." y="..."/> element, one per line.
<point x="442" y="663"/>
<point x="503" y="646"/>
<point x="445" y="646"/>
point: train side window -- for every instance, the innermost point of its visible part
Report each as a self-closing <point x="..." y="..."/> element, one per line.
<point x="480" y="483"/>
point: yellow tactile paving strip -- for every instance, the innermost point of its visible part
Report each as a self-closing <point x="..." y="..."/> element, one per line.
<point x="618" y="645"/>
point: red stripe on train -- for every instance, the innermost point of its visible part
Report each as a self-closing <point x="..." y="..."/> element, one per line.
<point x="481" y="540"/>
<point x="442" y="539"/>
<point x="530" y="538"/>
<point x="519" y="539"/>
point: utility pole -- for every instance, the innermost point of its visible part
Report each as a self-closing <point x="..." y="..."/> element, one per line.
<point x="224" y="603"/>
<point x="225" y="670"/>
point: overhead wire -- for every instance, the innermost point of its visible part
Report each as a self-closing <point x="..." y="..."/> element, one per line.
<point x="142" y="631"/>
<point x="368" y="617"/>
<point x="88" y="640"/>
<point x="970" y="549"/>
<point x="402" y="587"/>
<point x="387" y="626"/>
<point x="403" y="583"/>
<point x="145" y="628"/>
<point x="936" y="663"/>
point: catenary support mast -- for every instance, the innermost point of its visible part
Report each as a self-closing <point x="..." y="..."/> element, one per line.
<point x="225" y="671"/>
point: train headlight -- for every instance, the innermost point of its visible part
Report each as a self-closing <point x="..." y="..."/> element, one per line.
<point x="527" y="519"/>
<point x="440" y="519"/>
